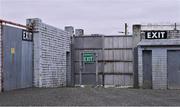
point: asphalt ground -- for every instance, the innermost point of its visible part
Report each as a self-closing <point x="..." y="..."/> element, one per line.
<point x="89" y="97"/>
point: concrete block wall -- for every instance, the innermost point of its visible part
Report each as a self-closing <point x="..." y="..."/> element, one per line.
<point x="69" y="74"/>
<point x="159" y="55"/>
<point x="172" y="31"/>
<point x="50" y="47"/>
<point x="140" y="67"/>
<point x="159" y="67"/>
<point x="136" y="35"/>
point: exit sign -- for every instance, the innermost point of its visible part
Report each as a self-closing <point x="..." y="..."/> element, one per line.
<point x="27" y="36"/>
<point x="155" y="34"/>
<point x="88" y="57"/>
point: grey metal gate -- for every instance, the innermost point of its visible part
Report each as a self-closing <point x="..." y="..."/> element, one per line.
<point x="174" y="69"/>
<point x="17" y="58"/>
<point x="114" y="61"/>
<point x="147" y="69"/>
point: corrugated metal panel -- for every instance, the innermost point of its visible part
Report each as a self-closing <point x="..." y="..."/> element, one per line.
<point x="125" y="67"/>
<point x="88" y="73"/>
<point x="108" y="43"/>
<point x="89" y="42"/>
<point x="26" y="64"/>
<point x="122" y="67"/>
<point x="118" y="42"/>
<point x="77" y="67"/>
<point x="128" y="80"/>
<point x="12" y="63"/>
<point x="124" y="55"/>
<point x="109" y="79"/>
<point x="119" y="80"/>
<point x="109" y="67"/>
<point x="118" y="58"/>
<point x="17" y="59"/>
<point x="129" y="42"/>
<point x="77" y="52"/>
<point x="108" y="54"/>
<point x="119" y="50"/>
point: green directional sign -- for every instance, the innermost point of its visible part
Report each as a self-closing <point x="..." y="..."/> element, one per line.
<point x="88" y="57"/>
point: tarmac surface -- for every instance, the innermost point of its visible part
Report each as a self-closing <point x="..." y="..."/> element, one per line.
<point x="90" y="97"/>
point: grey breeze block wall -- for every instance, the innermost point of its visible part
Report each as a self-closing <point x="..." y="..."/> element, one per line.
<point x="50" y="47"/>
<point x="159" y="54"/>
<point x="159" y="67"/>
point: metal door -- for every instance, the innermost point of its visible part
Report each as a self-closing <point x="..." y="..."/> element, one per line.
<point x="26" y="68"/>
<point x="88" y="73"/>
<point x="147" y="69"/>
<point x="174" y="69"/>
<point x="17" y="59"/>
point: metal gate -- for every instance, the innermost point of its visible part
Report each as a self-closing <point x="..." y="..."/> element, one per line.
<point x="174" y="69"/>
<point x="114" y="60"/>
<point x="17" y="58"/>
<point x="147" y="69"/>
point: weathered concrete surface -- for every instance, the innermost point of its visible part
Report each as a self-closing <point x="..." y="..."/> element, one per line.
<point x="51" y="45"/>
<point x="90" y="96"/>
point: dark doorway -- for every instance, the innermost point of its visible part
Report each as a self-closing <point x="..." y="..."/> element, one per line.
<point x="174" y="69"/>
<point x="147" y="69"/>
<point x="68" y="69"/>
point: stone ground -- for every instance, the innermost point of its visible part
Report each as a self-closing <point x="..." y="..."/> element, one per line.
<point x="90" y="96"/>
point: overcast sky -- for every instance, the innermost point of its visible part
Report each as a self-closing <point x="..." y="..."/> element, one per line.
<point x="95" y="16"/>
